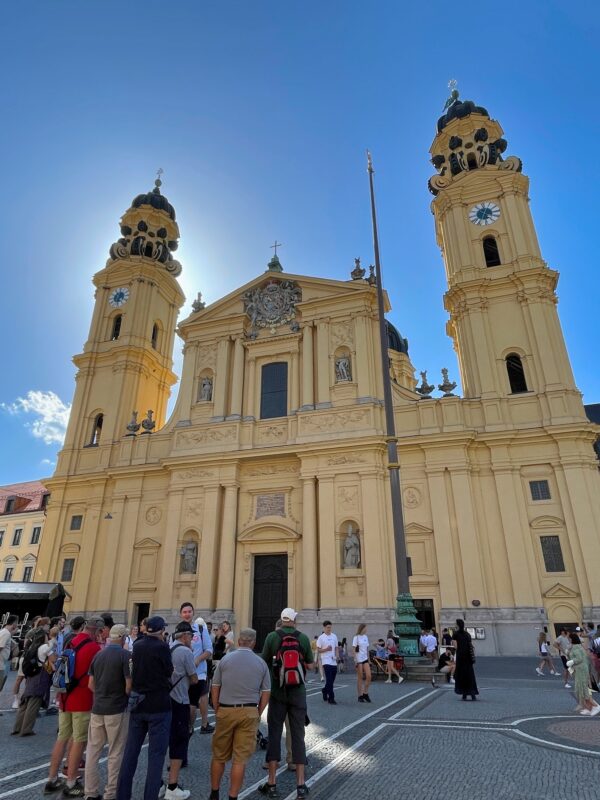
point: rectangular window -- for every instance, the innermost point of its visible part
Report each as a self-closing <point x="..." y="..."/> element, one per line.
<point x="16" y="541"/>
<point x="76" y="521"/>
<point x="273" y="390"/>
<point x="8" y="573"/>
<point x="67" y="570"/>
<point x="540" y="490"/>
<point x="552" y="552"/>
<point x="27" y="574"/>
<point x="35" y="535"/>
<point x="1" y="537"/>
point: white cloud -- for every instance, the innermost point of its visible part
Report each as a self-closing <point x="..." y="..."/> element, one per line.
<point x="47" y="462"/>
<point x="52" y="415"/>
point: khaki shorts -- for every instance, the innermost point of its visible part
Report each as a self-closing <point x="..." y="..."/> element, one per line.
<point x="73" y="725"/>
<point x="235" y="734"/>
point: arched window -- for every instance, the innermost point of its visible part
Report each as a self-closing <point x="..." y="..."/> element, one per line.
<point x="273" y="390"/>
<point x="490" y="252"/>
<point x="96" y="429"/>
<point x="472" y="161"/>
<point x="516" y="373"/>
<point x="116" y="327"/>
<point x="154" y="339"/>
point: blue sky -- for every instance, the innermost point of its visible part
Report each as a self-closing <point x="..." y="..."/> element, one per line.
<point x="259" y="113"/>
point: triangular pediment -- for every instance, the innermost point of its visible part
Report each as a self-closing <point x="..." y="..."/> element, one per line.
<point x="147" y="544"/>
<point x="558" y="590"/>
<point x="312" y="290"/>
<point x="415" y="528"/>
<point x="29" y="558"/>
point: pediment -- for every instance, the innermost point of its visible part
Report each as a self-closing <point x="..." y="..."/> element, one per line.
<point x="415" y="528"/>
<point x="147" y="544"/>
<point x="265" y="531"/>
<point x="29" y="558"/>
<point x="558" y="590"/>
<point x="312" y="290"/>
<point x="547" y="522"/>
<point x="10" y="560"/>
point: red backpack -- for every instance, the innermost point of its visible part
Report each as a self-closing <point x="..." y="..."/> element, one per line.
<point x="290" y="660"/>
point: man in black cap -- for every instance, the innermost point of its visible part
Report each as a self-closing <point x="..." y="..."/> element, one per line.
<point x="150" y="704"/>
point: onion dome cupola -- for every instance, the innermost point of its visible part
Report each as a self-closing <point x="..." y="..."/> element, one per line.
<point x="467" y="139"/>
<point x="149" y="231"/>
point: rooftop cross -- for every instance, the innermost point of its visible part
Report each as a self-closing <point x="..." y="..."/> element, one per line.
<point x="160" y="171"/>
<point x="453" y="86"/>
<point x="275" y="245"/>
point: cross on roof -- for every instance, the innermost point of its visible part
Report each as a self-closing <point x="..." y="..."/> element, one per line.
<point x="275" y="245"/>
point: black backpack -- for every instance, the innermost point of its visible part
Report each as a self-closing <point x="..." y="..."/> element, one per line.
<point x="31" y="665"/>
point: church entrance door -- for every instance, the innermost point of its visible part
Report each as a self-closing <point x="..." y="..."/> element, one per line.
<point x="270" y="594"/>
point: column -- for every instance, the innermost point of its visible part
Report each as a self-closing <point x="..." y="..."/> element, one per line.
<point x="327" y="555"/>
<point x="249" y="416"/>
<point x="227" y="550"/>
<point x="309" y="545"/>
<point x="208" y="561"/>
<point x="235" y="408"/>
<point x="467" y="536"/>
<point x="168" y="565"/>
<point x="220" y="388"/>
<point x="323" y="369"/>
<point x="372" y="558"/>
<point x="449" y="565"/>
<point x="308" y="392"/>
<point x="362" y="371"/>
<point x="295" y="387"/>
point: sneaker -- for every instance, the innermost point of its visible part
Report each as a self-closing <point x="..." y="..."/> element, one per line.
<point x="595" y="710"/>
<point x="389" y="680"/>
<point x="553" y="672"/>
<point x="302" y="791"/>
<point x="162" y="790"/>
<point x="367" y="698"/>
<point x="208" y="728"/>
<point x="93" y="797"/>
<point x="539" y="671"/>
<point x="54" y="786"/>
<point x="361" y="699"/>
<point x="332" y="702"/>
<point x="15" y="702"/>
<point x="74" y="791"/>
<point x="177" y="793"/>
<point x="567" y="685"/>
<point x="269" y="790"/>
<point x="586" y="713"/>
<point x="400" y="678"/>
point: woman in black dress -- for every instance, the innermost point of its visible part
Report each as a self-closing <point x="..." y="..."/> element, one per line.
<point x="464" y="675"/>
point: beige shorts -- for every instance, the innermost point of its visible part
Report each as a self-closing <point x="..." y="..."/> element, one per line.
<point x="235" y="734"/>
<point x="73" y="725"/>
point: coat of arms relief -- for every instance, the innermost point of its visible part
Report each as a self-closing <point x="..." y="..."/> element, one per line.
<point x="272" y="304"/>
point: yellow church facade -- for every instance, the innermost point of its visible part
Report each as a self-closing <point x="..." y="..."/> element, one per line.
<point x="268" y="485"/>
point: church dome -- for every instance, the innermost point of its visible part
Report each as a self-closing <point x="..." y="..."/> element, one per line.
<point x="395" y="340"/>
<point x="156" y="200"/>
<point x="459" y="109"/>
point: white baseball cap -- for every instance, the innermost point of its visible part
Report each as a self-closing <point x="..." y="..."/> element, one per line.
<point x="200" y="622"/>
<point x="289" y="614"/>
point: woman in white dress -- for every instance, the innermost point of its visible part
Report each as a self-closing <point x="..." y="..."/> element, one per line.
<point x="360" y="645"/>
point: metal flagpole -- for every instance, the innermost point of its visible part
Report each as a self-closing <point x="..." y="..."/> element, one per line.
<point x="406" y="625"/>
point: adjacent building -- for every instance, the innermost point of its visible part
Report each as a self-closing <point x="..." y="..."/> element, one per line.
<point x="22" y="519"/>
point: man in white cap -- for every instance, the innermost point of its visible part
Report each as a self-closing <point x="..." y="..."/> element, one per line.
<point x="288" y="655"/>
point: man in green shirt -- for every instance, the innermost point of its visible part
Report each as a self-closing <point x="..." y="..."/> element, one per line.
<point x="286" y="701"/>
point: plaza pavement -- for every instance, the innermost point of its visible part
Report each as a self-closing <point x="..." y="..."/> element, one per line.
<point x="520" y="741"/>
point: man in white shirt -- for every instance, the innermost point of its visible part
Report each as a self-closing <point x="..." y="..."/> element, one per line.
<point x="6" y="642"/>
<point x="328" y="650"/>
<point x="430" y="643"/>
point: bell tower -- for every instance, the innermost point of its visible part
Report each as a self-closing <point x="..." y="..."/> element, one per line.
<point x="126" y="363"/>
<point x="501" y="294"/>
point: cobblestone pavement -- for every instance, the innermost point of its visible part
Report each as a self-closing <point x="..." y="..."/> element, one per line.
<point x="520" y="741"/>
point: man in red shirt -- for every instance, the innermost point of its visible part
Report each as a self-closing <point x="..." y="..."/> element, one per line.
<point x="74" y="714"/>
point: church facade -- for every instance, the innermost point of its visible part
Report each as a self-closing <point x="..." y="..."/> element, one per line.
<point x="268" y="485"/>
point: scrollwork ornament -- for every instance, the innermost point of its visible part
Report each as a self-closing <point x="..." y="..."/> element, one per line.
<point x="438" y="183"/>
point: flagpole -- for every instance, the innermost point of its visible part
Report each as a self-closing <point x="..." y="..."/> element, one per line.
<point x="406" y="625"/>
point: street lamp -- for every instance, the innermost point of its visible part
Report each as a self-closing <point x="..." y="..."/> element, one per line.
<point x="406" y="625"/>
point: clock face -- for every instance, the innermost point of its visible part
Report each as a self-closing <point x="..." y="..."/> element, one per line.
<point x="118" y="297"/>
<point x="484" y="213"/>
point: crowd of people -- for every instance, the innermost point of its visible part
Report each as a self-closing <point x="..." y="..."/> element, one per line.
<point x="115" y="687"/>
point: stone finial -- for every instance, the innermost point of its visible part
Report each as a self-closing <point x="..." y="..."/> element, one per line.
<point x="425" y="389"/>
<point x="358" y="273"/>
<point x="148" y="424"/>
<point x="372" y="280"/>
<point x="198" y="303"/>
<point x="133" y="426"/>
<point x="447" y="386"/>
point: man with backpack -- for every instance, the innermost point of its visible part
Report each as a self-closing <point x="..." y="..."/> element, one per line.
<point x="76" y="700"/>
<point x="288" y="655"/>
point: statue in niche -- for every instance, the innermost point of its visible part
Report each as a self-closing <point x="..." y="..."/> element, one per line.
<point x="342" y="369"/>
<point x="206" y="389"/>
<point x="188" y="563"/>
<point x="351" y="549"/>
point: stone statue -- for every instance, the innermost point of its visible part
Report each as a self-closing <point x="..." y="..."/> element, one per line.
<point x="358" y="273"/>
<point x="148" y="424"/>
<point x="351" y="549"/>
<point x="342" y="369"/>
<point x="188" y="563"/>
<point x="206" y="389"/>
<point x="133" y="426"/>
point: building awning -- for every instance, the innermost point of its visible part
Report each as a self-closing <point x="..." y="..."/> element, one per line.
<point x="25" y="591"/>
